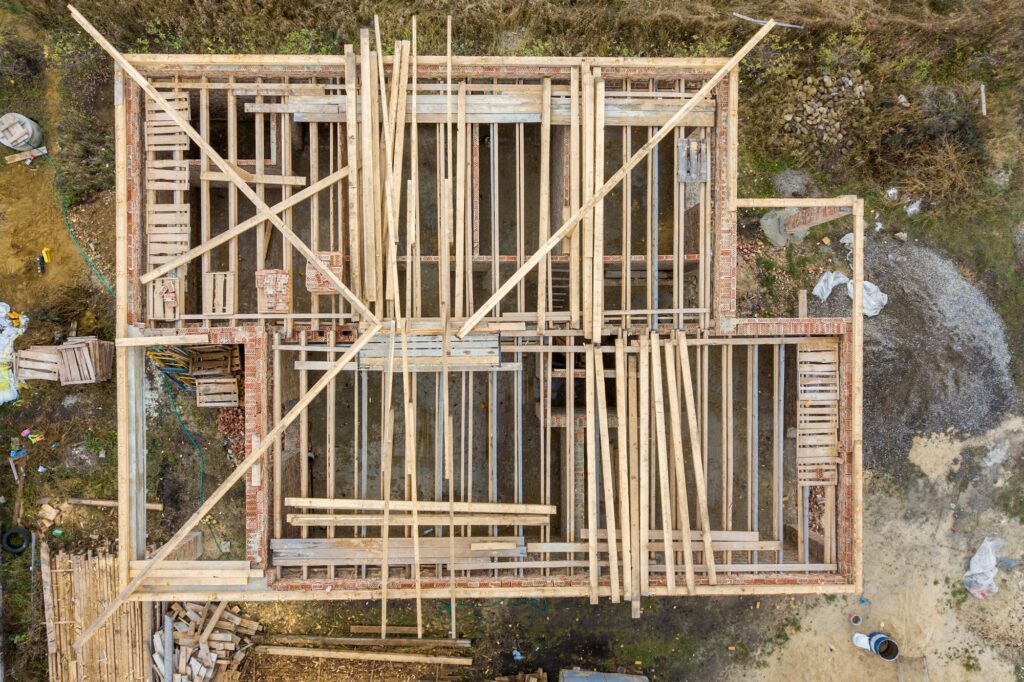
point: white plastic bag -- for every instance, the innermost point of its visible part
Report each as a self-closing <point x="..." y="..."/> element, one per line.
<point x="827" y="282"/>
<point x="8" y="332"/>
<point x="874" y="300"/>
<point x="980" y="578"/>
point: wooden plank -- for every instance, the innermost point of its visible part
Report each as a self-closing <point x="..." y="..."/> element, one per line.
<point x="662" y="451"/>
<point x="299" y="640"/>
<point x="676" y="432"/>
<point x="857" y="395"/>
<point x="644" y="437"/>
<point x="626" y="520"/>
<point x="386" y="656"/>
<point x="703" y="513"/>
<point x="422" y="506"/>
<point x="591" y="473"/>
<point x="607" y="476"/>
<point x="352" y="146"/>
<point x="111" y="504"/>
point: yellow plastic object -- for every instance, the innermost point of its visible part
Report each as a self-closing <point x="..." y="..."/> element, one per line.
<point x="47" y="257"/>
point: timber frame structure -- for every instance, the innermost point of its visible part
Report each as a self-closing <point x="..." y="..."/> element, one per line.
<point x="504" y="327"/>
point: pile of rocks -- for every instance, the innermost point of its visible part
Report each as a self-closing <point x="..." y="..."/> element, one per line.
<point x="822" y="112"/>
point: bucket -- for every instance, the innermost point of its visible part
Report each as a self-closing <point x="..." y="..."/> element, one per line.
<point x="878" y="643"/>
<point x="20" y="133"/>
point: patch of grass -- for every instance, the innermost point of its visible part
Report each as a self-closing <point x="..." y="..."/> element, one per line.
<point x="766" y="276"/>
<point x="958" y="593"/>
<point x="1011" y="498"/>
<point x="788" y="627"/>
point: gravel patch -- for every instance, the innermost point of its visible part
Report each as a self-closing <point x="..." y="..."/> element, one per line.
<point x="935" y="358"/>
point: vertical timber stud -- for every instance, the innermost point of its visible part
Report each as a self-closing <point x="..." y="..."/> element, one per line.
<point x="124" y="441"/>
<point x="591" y="474"/>
<point x="857" y="425"/>
<point x="607" y="474"/>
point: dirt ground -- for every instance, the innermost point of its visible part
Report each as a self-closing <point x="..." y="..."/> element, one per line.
<point x="917" y="544"/>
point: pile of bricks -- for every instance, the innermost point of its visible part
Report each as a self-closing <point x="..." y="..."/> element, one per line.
<point x="273" y="291"/>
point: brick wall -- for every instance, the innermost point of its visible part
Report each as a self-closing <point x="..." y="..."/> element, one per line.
<point x="723" y="221"/>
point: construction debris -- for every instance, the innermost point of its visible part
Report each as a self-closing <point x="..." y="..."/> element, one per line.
<point x="79" y="360"/>
<point x="11" y="327"/>
<point x="537" y="676"/>
<point x="209" y="642"/>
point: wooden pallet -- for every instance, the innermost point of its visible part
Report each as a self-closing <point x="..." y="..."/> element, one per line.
<point x="219" y="293"/>
<point x="162" y="133"/>
<point x="37" y="362"/>
<point x="209" y="361"/>
<point x="167" y="175"/>
<point x="164" y="243"/>
<point x="85" y="360"/>
<point x="817" y="431"/>
<point x="75" y="365"/>
<point x="217" y="392"/>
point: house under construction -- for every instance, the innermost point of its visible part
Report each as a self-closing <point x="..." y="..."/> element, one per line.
<point x="486" y="328"/>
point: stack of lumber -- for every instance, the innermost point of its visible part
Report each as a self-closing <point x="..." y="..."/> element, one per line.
<point x="76" y="588"/>
<point x="80" y="360"/>
<point x="208" y="642"/>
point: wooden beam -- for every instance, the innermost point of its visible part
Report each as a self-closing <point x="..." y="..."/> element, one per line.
<point x="422" y="506"/>
<point x="385" y="656"/>
<point x="222" y="489"/>
<point x="607" y="475"/>
<point x="700" y="487"/>
<point x="644" y="438"/>
<point x="796" y="202"/>
<point x="167" y="340"/>
<point x="657" y="390"/>
<point x="111" y="504"/>
<point x="857" y="395"/>
<point x="676" y="434"/>
<point x="622" y="457"/>
<point x="591" y="466"/>
<point x="570" y="224"/>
